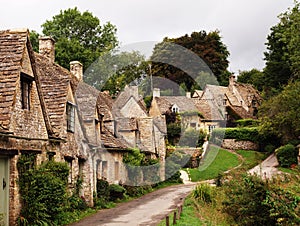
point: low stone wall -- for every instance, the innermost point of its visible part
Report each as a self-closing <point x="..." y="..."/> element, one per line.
<point x="234" y="144"/>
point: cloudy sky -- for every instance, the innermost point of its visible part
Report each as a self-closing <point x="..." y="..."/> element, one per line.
<point x="244" y="24"/>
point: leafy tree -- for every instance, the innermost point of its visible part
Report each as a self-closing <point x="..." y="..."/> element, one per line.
<point x="254" y="77"/>
<point x="79" y="36"/>
<point x="113" y="70"/>
<point x="283" y="55"/>
<point x="179" y="59"/>
<point x="280" y="114"/>
<point x="34" y="39"/>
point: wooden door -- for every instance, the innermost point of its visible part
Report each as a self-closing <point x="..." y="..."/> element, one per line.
<point x="4" y="191"/>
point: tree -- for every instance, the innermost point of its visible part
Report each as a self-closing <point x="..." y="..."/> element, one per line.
<point x="183" y="59"/>
<point x="280" y="114"/>
<point x="114" y="70"/>
<point x="79" y="36"/>
<point x="254" y="77"/>
<point x="283" y="55"/>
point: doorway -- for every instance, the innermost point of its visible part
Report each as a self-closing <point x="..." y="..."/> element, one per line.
<point x="4" y="190"/>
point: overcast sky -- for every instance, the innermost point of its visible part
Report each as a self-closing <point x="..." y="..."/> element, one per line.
<point x="244" y="24"/>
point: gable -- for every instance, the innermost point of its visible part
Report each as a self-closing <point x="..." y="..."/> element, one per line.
<point x="12" y="45"/>
<point x="26" y="64"/>
<point x="132" y="109"/>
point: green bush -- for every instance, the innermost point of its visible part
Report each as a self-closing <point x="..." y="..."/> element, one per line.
<point x="247" y="123"/>
<point x="287" y="155"/>
<point x="252" y="201"/>
<point x="204" y="193"/>
<point x="43" y="192"/>
<point x="116" y="192"/>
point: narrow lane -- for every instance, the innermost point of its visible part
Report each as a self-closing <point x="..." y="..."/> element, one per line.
<point x="147" y="210"/>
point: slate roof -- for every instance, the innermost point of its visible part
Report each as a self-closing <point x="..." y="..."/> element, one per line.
<point x="12" y="45"/>
<point x="166" y="102"/>
<point x="54" y="84"/>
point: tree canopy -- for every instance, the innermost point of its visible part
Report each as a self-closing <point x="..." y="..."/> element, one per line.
<point x="79" y="36"/>
<point x="173" y="58"/>
<point x="280" y="115"/>
<point x="114" y="70"/>
<point x="283" y="54"/>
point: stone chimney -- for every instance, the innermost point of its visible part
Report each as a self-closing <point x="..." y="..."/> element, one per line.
<point x="232" y="79"/>
<point x="47" y="47"/>
<point x="76" y="69"/>
<point x="156" y="92"/>
<point x="188" y="94"/>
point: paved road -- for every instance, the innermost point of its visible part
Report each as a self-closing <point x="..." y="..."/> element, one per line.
<point x="147" y="210"/>
<point x="267" y="169"/>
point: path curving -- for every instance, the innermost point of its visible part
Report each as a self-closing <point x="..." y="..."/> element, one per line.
<point x="267" y="169"/>
<point x="147" y="210"/>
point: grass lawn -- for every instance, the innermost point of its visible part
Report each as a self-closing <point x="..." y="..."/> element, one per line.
<point x="219" y="161"/>
<point x="251" y="158"/>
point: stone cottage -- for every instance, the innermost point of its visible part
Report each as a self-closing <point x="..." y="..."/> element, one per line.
<point x="221" y="105"/>
<point x="25" y="126"/>
<point x="181" y="105"/>
<point x="127" y="119"/>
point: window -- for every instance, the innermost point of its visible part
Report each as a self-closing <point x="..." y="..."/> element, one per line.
<point x="117" y="171"/>
<point x="211" y="128"/>
<point x="104" y="170"/>
<point x="70" y="117"/>
<point x="69" y="160"/>
<point x="193" y="124"/>
<point x="25" y="91"/>
<point x="224" y="102"/>
<point x="175" y="109"/>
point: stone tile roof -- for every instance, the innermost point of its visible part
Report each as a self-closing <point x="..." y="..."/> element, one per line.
<point x="12" y="45"/>
<point x="208" y="109"/>
<point x="54" y="84"/>
<point x="160" y="123"/>
<point x="110" y="141"/>
<point x="124" y="96"/>
<point x="247" y="92"/>
<point x="127" y="124"/>
<point x="86" y="97"/>
<point x="104" y="106"/>
<point x="166" y="102"/>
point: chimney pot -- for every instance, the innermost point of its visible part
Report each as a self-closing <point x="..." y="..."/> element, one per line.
<point x="76" y="69"/>
<point x="156" y="92"/>
<point x="47" y="47"/>
<point x="188" y="94"/>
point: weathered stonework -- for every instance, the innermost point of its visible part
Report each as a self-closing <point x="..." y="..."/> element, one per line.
<point x="233" y="144"/>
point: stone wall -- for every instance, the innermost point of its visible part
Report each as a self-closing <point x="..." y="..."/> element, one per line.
<point x="239" y="145"/>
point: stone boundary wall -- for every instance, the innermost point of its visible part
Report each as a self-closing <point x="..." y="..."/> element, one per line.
<point x="234" y="144"/>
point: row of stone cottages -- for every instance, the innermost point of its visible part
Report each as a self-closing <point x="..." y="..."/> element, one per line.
<point x="48" y="111"/>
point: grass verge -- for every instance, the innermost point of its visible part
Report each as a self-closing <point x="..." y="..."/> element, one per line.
<point x="223" y="161"/>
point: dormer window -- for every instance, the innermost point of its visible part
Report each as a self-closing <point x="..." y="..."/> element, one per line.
<point x="70" y="117"/>
<point x="175" y="108"/>
<point x="26" y="82"/>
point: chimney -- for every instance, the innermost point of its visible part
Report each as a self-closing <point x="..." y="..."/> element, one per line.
<point x="188" y="94"/>
<point x="76" y="69"/>
<point x="232" y="79"/>
<point x="156" y="92"/>
<point x="47" y="47"/>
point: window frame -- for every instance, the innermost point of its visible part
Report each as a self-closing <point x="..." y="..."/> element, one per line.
<point x="26" y="86"/>
<point x="70" y="113"/>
